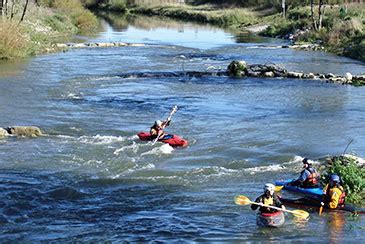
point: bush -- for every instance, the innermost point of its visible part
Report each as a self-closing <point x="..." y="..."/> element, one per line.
<point x="352" y="175"/>
<point x="12" y="40"/>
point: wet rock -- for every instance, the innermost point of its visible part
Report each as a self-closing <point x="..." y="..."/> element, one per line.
<point x="269" y="74"/>
<point x="330" y="75"/>
<point x="297" y="75"/>
<point x="348" y="76"/>
<point x="3" y="133"/>
<point x="30" y="131"/>
<point x="237" y="68"/>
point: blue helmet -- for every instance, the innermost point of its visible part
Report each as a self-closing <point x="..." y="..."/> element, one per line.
<point x="335" y="178"/>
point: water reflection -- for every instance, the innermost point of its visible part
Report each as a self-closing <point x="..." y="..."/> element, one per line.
<point x="162" y="30"/>
<point x="336" y="223"/>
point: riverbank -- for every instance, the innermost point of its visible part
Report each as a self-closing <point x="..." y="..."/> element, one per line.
<point x="43" y="25"/>
<point x="343" y="33"/>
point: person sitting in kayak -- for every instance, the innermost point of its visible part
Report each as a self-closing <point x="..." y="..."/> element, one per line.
<point x="157" y="129"/>
<point x="268" y="198"/>
<point x="308" y="178"/>
<point x="333" y="193"/>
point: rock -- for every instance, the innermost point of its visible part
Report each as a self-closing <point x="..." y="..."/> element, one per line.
<point x="253" y="73"/>
<point x="269" y="74"/>
<point x="3" y="133"/>
<point x="330" y="75"/>
<point x="79" y="45"/>
<point x="237" y="68"/>
<point x="297" y="75"/>
<point x="348" y="76"/>
<point x="30" y="131"/>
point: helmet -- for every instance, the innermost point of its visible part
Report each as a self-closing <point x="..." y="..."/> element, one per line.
<point x="158" y="123"/>
<point x="269" y="187"/>
<point x="305" y="161"/>
<point x="335" y="178"/>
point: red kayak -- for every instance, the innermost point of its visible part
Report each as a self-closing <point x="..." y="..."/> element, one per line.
<point x="172" y="140"/>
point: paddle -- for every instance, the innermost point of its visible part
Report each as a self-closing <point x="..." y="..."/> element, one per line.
<point x="243" y="200"/>
<point x="278" y="188"/>
<point x="173" y="111"/>
<point x="321" y="209"/>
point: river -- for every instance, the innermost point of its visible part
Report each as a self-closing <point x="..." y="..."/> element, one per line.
<point x="91" y="179"/>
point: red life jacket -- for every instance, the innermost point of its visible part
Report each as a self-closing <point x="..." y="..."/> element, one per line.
<point x="313" y="176"/>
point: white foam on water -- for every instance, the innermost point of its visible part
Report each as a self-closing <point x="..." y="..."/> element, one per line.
<point x="163" y="149"/>
<point x="134" y="148"/>
<point x="74" y="96"/>
<point x="100" y="140"/>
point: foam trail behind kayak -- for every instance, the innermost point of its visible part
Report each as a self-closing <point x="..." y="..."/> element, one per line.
<point x="163" y="149"/>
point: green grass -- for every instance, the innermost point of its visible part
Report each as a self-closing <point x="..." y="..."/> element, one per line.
<point x="228" y="17"/>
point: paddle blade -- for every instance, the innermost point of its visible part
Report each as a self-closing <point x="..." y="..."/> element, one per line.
<point x="241" y="200"/>
<point x="300" y="214"/>
<point x="320" y="210"/>
<point x="278" y="188"/>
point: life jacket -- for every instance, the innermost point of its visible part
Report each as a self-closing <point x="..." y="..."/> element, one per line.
<point x="268" y="201"/>
<point x="158" y="131"/>
<point x="341" y="199"/>
<point x="313" y="177"/>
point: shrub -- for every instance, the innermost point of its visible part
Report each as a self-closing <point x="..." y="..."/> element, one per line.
<point x="12" y="40"/>
<point x="352" y="175"/>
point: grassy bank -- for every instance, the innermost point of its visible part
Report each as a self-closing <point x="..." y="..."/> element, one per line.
<point x="227" y="17"/>
<point x="42" y="25"/>
<point x="343" y="32"/>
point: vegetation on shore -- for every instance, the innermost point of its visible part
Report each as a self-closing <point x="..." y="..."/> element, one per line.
<point x="340" y="29"/>
<point x="43" y="23"/>
<point x="352" y="176"/>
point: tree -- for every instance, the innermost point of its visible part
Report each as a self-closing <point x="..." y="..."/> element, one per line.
<point x="24" y="10"/>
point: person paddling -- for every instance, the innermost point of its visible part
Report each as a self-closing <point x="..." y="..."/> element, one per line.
<point x="268" y="198"/>
<point x="157" y="131"/>
<point x="333" y="193"/>
<point x="308" y="178"/>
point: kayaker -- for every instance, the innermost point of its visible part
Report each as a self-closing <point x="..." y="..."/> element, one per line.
<point x="308" y="178"/>
<point x="157" y="128"/>
<point x="333" y="193"/>
<point x="268" y="198"/>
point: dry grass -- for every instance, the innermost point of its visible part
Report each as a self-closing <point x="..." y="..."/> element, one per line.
<point x="12" y="40"/>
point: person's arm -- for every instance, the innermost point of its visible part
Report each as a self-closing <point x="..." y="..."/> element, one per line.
<point x="254" y="206"/>
<point x="303" y="176"/>
<point x="277" y="202"/>
<point x="153" y="132"/>
<point x="166" y="123"/>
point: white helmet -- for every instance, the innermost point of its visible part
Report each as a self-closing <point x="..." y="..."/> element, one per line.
<point x="158" y="123"/>
<point x="269" y="187"/>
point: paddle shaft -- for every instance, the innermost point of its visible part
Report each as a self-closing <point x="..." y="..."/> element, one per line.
<point x="273" y="207"/>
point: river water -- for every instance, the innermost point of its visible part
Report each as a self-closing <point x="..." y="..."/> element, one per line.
<point x="91" y="179"/>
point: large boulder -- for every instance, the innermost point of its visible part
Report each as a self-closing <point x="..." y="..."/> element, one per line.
<point x="3" y="133"/>
<point x="30" y="131"/>
<point x="237" y="68"/>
